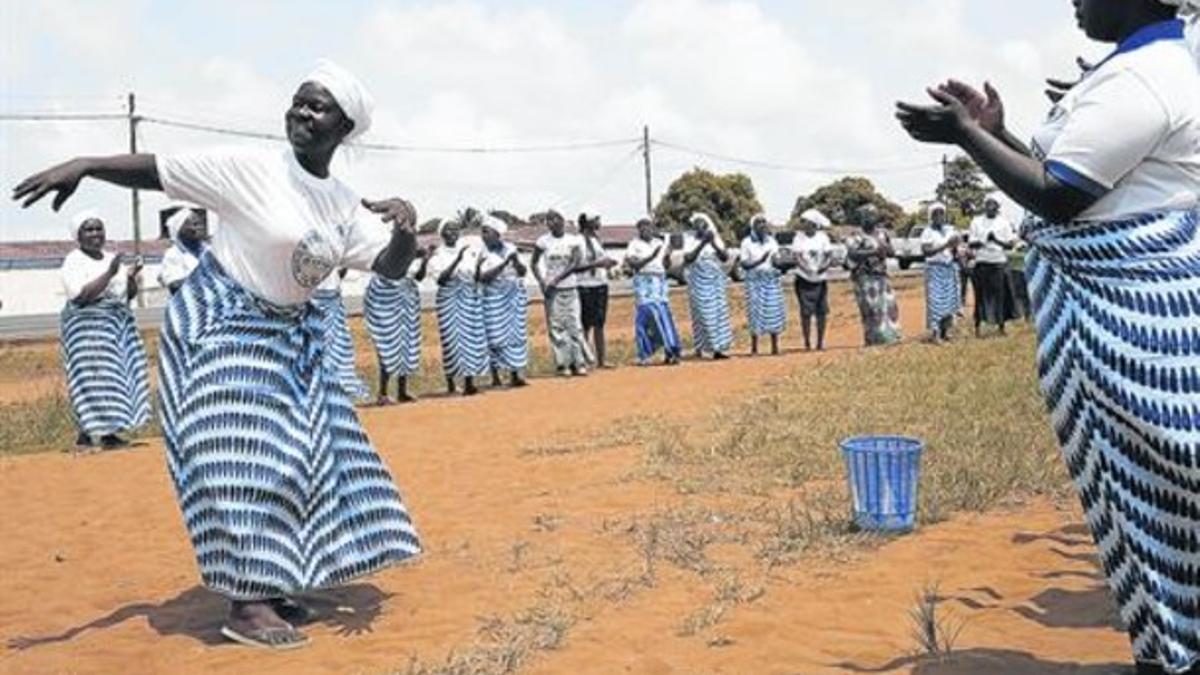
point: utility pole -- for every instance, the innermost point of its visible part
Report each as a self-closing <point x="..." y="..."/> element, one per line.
<point x="135" y="199"/>
<point x="646" y="160"/>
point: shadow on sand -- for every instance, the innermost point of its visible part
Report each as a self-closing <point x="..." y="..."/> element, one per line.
<point x="199" y="613"/>
<point x="989" y="662"/>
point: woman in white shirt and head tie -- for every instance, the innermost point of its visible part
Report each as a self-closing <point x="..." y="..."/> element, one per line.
<point x="392" y="312"/>
<point x="188" y="228"/>
<point x="813" y="256"/>
<point x="648" y="256"/>
<point x="760" y="263"/>
<point x="991" y="237"/>
<point x="704" y="258"/>
<point x="460" y="316"/>
<point x="1111" y="180"/>
<point x="105" y="359"/>
<point x="279" y="486"/>
<point x="501" y="276"/>
<point x="942" y="297"/>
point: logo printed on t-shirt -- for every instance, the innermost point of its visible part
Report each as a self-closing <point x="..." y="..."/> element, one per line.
<point x="312" y="260"/>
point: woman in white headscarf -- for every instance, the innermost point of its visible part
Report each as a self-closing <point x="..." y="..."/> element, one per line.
<point x="939" y="240"/>
<point x="460" y="315"/>
<point x="501" y="274"/>
<point x="813" y="255"/>
<point x="704" y="257"/>
<point x="392" y="312"/>
<point x="102" y="351"/>
<point x="1112" y="182"/>
<point x="765" y="305"/>
<point x="189" y="235"/>
<point x="280" y="488"/>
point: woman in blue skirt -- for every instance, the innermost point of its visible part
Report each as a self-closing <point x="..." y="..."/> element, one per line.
<point x="1111" y="179"/>
<point x="704" y="255"/>
<point x="280" y="489"/>
<point x="392" y="308"/>
<point x="764" y="294"/>
<point x="102" y="351"/>
<point x="339" y="344"/>
<point x="654" y="327"/>
<point x="501" y="274"/>
<point x="454" y="266"/>
<point x="938" y="242"/>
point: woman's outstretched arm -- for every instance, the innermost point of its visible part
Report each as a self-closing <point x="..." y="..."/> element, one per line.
<point x="131" y="171"/>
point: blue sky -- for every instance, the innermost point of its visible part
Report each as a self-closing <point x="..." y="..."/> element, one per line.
<point x="803" y="83"/>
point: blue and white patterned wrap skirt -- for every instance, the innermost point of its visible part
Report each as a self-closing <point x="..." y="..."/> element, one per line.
<point x="1117" y="307"/>
<point x="280" y="489"/>
<point x="942" y="294"/>
<point x="708" y="300"/>
<point x="765" y="306"/>
<point x="461" y="326"/>
<point x="506" y="309"/>
<point x="105" y="362"/>
<point x="654" y="326"/>
<point x="339" y="342"/>
<point x="392" y="308"/>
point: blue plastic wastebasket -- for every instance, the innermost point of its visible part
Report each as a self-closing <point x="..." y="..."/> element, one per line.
<point x="884" y="472"/>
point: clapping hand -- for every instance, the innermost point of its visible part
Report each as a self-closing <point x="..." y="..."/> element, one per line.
<point x="984" y="107"/>
<point x="943" y="122"/>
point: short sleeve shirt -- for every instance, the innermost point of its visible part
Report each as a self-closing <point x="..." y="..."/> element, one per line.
<point x="812" y="253"/>
<point x="753" y="250"/>
<point x="283" y="230"/>
<point x="556" y="257"/>
<point x="691" y="242"/>
<point x="80" y="269"/>
<point x="593" y="251"/>
<point x="445" y="256"/>
<point x="640" y="248"/>
<point x="177" y="265"/>
<point x="1129" y="133"/>
<point x="938" y="236"/>
<point x="991" y="253"/>
<point x="493" y="259"/>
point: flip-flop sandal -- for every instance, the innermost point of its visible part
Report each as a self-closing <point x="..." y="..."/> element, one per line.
<point x="294" y="612"/>
<point x="262" y="638"/>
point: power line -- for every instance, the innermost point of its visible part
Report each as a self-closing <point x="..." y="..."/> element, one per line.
<point x="61" y="117"/>
<point x="777" y="166"/>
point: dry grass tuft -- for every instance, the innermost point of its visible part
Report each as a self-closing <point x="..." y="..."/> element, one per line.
<point x="934" y="634"/>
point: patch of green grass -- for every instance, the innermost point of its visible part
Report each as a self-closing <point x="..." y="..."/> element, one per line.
<point x="46" y="425"/>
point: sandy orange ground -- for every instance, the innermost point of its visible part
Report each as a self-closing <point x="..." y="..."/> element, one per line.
<point x="99" y="577"/>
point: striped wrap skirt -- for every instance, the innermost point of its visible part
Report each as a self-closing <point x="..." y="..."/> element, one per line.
<point x="708" y="300"/>
<point x="392" y="308"/>
<point x="280" y="489"/>
<point x="878" y="309"/>
<point x="765" y="306"/>
<point x="1117" y="309"/>
<point x="105" y="362"/>
<point x="942" y="297"/>
<point x="654" y="326"/>
<point x="339" y="344"/>
<point x="506" y="310"/>
<point x="461" y="327"/>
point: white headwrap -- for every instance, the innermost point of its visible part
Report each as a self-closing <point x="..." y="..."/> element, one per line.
<point x="177" y="219"/>
<point x="493" y="223"/>
<point x="757" y="217"/>
<point x="937" y="206"/>
<point x="350" y="93"/>
<point x="80" y="218"/>
<point x="816" y="218"/>
<point x="709" y="225"/>
<point x="442" y="226"/>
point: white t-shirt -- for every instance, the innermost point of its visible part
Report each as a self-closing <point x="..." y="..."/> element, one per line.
<point x="691" y="242"/>
<point x="177" y="265"/>
<point x="556" y="257"/>
<point x="80" y="269"/>
<point x="640" y="248"/>
<point x="593" y="252"/>
<point x="935" y="237"/>
<point x="1129" y="133"/>
<point x="283" y="230"/>
<point x="752" y="251"/>
<point x="493" y="259"/>
<point x="445" y="256"/>
<point x="812" y="253"/>
<point x="999" y="226"/>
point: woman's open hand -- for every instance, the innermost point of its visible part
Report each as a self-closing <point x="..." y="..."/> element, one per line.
<point x="62" y="179"/>
<point x="398" y="212"/>
<point x="985" y="107"/>
<point x="940" y="123"/>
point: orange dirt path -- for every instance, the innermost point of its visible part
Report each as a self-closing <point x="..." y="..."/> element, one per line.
<point x="99" y="576"/>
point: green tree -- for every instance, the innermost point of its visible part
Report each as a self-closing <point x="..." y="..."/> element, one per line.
<point x="429" y="226"/>
<point x="963" y="188"/>
<point x="728" y="199"/>
<point x="469" y="218"/>
<point x="842" y="198"/>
